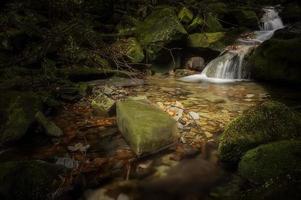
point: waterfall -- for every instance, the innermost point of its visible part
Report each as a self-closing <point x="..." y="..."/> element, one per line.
<point x="229" y="66"/>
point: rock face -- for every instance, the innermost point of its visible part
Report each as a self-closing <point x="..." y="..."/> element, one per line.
<point x="17" y="114"/>
<point x="146" y="128"/>
<point x="278" y="59"/>
<point x="270" y="121"/>
<point x="276" y="160"/>
<point x="33" y="180"/>
<point x="159" y="29"/>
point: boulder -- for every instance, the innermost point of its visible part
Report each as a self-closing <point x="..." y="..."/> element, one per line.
<point x="145" y="127"/>
<point x="276" y="160"/>
<point x="49" y="127"/>
<point x="185" y="15"/>
<point x="270" y="121"/>
<point x="196" y="24"/>
<point x="206" y="40"/>
<point x="212" y="24"/>
<point x="278" y="59"/>
<point x="18" y="111"/>
<point x="159" y="29"/>
<point x="195" y="63"/>
<point x="103" y="105"/>
<point x="130" y="48"/>
<point x="34" y="180"/>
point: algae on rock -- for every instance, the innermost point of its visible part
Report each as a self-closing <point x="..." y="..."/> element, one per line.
<point x="270" y="121"/>
<point x="146" y="128"/>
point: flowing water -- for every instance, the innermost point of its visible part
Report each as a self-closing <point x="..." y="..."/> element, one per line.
<point x="229" y="66"/>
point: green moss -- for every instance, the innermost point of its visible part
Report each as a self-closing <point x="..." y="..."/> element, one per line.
<point x="206" y="40"/>
<point x="33" y="180"/>
<point x="159" y="29"/>
<point x="270" y="121"/>
<point x="196" y="23"/>
<point x="272" y="161"/>
<point x="185" y="15"/>
<point x="131" y="49"/>
<point x="212" y="23"/>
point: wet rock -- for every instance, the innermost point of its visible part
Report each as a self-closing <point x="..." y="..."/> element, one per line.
<point x="102" y="105"/>
<point x="143" y="126"/>
<point x="49" y="127"/>
<point x="159" y="29"/>
<point x="185" y="15"/>
<point x="33" y="180"/>
<point x="17" y="114"/>
<point x="195" y="63"/>
<point x="277" y="160"/>
<point x="270" y="121"/>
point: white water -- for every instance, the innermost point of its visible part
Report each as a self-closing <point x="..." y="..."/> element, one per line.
<point x="229" y="66"/>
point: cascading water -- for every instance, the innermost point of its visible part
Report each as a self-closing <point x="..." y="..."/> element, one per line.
<point x="229" y="66"/>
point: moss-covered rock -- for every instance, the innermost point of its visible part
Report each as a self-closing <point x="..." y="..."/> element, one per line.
<point x="212" y="24"/>
<point x="146" y="128"/>
<point x="159" y="29"/>
<point x="49" y="127"/>
<point x="185" y="15"/>
<point x="206" y="40"/>
<point x="131" y="49"/>
<point x="18" y="111"/>
<point x="277" y="60"/>
<point x="275" y="160"/>
<point x="196" y="24"/>
<point x="270" y="121"/>
<point x="28" y="180"/>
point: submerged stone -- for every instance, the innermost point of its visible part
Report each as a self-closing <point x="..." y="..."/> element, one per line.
<point x="270" y="121"/>
<point x="34" y="180"/>
<point x="146" y="128"/>
<point x="277" y="160"/>
<point x="102" y="105"/>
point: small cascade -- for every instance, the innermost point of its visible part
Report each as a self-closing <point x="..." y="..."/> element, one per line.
<point x="229" y="66"/>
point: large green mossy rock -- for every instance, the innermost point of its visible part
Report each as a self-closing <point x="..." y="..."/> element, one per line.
<point x="270" y="121"/>
<point x="276" y="160"/>
<point x="206" y="40"/>
<point x="213" y="24"/>
<point x="278" y="60"/>
<point x="28" y="180"/>
<point x="131" y="49"/>
<point x="159" y="29"/>
<point x="146" y="128"/>
<point x="18" y="111"/>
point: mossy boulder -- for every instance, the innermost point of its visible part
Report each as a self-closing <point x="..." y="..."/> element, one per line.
<point x="28" y="180"/>
<point x="18" y="111"/>
<point x="278" y="60"/>
<point x="206" y="40"/>
<point x="131" y="49"/>
<point x="185" y="15"/>
<point x="267" y="122"/>
<point x="146" y="128"/>
<point x="212" y="23"/>
<point x="276" y="160"/>
<point x="196" y="24"/>
<point x="159" y="29"/>
<point x="49" y="127"/>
